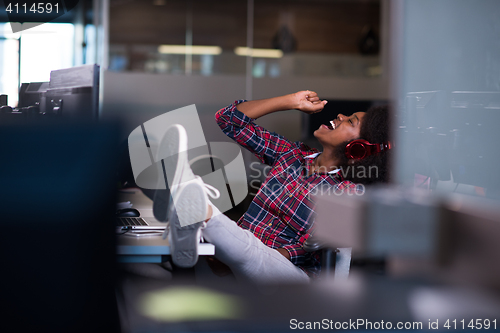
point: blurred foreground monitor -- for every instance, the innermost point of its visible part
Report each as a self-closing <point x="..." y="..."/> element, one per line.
<point x="58" y="243"/>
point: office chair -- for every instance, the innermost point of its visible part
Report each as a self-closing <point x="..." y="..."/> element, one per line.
<point x="335" y="262"/>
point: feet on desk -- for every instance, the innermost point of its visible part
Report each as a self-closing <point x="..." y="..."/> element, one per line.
<point x="192" y="208"/>
<point x="179" y="173"/>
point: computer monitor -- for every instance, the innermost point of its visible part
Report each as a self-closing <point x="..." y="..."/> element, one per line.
<point x="72" y="94"/>
<point x="425" y="126"/>
<point x="33" y="93"/>
<point x="453" y="136"/>
<point x="475" y="116"/>
<point x="426" y="110"/>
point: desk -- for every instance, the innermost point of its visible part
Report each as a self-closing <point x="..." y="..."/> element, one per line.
<point x="150" y="249"/>
<point x="146" y="249"/>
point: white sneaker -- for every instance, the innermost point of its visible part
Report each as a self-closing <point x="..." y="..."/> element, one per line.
<point x="188" y="199"/>
<point x="174" y="144"/>
<point x="191" y="206"/>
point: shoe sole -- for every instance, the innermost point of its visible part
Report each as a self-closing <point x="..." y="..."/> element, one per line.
<point x="188" y="216"/>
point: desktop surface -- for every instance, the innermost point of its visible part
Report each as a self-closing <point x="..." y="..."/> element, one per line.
<point x="146" y="248"/>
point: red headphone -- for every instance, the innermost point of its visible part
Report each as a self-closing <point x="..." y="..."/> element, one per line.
<point x="359" y="149"/>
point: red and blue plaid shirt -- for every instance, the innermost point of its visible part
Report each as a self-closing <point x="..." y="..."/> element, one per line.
<point x="282" y="212"/>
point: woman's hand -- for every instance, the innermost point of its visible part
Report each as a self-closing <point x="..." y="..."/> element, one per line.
<point x="305" y="101"/>
<point x="308" y="101"/>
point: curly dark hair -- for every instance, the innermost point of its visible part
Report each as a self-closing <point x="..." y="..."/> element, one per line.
<point x="375" y="128"/>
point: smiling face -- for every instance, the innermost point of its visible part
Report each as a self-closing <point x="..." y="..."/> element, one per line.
<point x="341" y="130"/>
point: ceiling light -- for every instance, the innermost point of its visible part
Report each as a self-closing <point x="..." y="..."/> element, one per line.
<point x="258" y="53"/>
<point x="189" y="49"/>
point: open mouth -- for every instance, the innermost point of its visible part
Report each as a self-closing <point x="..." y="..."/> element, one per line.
<point x="331" y="126"/>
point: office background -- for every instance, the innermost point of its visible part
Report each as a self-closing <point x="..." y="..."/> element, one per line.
<point x="356" y="51"/>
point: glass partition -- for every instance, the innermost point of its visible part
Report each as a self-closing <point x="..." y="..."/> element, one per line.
<point x="318" y="38"/>
<point x="284" y="38"/>
<point x="177" y="37"/>
<point x="449" y="96"/>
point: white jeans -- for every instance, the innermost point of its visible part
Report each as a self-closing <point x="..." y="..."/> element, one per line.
<point x="247" y="256"/>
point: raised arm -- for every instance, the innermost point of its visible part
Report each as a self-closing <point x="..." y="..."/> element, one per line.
<point x="305" y="101"/>
<point x="236" y="121"/>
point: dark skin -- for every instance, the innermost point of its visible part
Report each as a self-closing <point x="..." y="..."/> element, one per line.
<point x="346" y="129"/>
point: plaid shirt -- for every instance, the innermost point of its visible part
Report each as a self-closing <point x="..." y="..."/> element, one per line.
<point x="282" y="212"/>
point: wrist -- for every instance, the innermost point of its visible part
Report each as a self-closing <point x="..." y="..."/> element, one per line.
<point x="292" y="102"/>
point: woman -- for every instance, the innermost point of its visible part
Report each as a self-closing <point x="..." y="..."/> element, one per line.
<point x="266" y="244"/>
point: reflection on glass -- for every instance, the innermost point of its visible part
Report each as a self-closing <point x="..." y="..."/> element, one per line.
<point x="450" y="88"/>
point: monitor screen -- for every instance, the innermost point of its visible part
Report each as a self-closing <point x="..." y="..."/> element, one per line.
<point x="72" y="94"/>
<point x="32" y="93"/>
<point x="425" y="110"/>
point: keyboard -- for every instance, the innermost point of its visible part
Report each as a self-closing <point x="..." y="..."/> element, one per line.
<point x="130" y="221"/>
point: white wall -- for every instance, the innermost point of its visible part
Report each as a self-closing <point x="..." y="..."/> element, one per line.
<point x="137" y="97"/>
